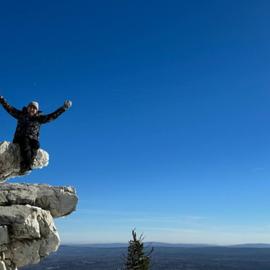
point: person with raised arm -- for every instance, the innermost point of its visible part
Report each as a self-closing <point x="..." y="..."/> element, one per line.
<point x="29" y="121"/>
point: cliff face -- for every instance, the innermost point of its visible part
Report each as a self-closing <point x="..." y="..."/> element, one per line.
<point x="27" y="230"/>
<point x="27" y="212"/>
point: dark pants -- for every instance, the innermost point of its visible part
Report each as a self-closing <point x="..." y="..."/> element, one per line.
<point x="28" y="148"/>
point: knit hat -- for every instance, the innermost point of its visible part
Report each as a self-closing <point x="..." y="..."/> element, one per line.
<point x="34" y="103"/>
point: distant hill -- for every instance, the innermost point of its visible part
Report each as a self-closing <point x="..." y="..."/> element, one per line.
<point x="259" y="245"/>
<point x="152" y="244"/>
<point x="161" y="244"/>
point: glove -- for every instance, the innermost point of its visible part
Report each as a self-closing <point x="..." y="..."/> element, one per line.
<point x="67" y="104"/>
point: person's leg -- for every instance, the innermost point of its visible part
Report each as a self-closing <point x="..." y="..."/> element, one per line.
<point x="26" y="153"/>
<point x="34" y="148"/>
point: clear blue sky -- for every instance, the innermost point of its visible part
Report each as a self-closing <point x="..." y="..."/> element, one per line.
<point x="170" y="126"/>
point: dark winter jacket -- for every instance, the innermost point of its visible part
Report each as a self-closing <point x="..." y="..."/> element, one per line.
<point x="28" y="126"/>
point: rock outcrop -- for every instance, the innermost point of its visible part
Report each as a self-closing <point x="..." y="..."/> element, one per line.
<point x="60" y="201"/>
<point x="10" y="160"/>
<point x="27" y="230"/>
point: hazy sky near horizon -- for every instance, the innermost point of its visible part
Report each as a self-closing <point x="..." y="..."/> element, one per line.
<point x="169" y="132"/>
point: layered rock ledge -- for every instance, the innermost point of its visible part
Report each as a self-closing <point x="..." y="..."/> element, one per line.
<point x="10" y="159"/>
<point x="27" y="230"/>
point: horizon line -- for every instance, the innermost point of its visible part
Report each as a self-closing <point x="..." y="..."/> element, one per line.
<point x="168" y="243"/>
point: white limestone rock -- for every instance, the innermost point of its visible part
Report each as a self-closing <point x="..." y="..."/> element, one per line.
<point x="27" y="230"/>
<point x="32" y="232"/>
<point x="60" y="201"/>
<point x="10" y="160"/>
<point x="2" y="265"/>
<point x="3" y="235"/>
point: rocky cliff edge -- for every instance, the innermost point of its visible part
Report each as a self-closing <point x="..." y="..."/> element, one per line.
<point x="27" y="212"/>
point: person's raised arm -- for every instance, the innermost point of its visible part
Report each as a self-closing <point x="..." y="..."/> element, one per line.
<point x="11" y="110"/>
<point x="52" y="116"/>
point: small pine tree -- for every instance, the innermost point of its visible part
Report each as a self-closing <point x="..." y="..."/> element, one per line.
<point x="136" y="258"/>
